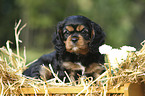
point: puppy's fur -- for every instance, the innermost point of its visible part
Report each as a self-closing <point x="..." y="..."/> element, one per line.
<point x="76" y="41"/>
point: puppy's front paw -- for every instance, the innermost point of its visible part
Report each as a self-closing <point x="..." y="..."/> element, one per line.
<point x="45" y="73"/>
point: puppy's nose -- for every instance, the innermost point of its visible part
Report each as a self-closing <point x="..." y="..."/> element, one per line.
<point x="74" y="39"/>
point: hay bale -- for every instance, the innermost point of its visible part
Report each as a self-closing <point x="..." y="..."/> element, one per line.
<point x="131" y="70"/>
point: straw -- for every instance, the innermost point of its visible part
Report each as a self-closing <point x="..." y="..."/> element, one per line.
<point x="132" y="70"/>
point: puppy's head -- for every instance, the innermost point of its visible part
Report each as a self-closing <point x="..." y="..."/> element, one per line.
<point x="78" y="34"/>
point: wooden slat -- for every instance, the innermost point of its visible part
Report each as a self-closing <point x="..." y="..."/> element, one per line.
<point x="128" y="89"/>
<point x="54" y="90"/>
<point x="116" y="90"/>
<point x="66" y="90"/>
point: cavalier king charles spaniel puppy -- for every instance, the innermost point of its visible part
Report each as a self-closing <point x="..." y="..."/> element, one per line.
<point x="76" y="40"/>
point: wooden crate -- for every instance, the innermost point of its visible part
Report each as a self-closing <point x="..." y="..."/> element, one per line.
<point x="129" y="89"/>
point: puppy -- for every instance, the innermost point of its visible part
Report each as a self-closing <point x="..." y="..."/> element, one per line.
<point x="76" y="42"/>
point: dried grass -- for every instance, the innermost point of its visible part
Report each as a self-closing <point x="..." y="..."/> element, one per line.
<point x="12" y="66"/>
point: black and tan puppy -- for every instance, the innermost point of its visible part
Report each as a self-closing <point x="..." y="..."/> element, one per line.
<point x="76" y="41"/>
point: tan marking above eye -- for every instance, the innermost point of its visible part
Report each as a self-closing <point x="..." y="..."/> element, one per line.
<point x="92" y="34"/>
<point x="69" y="28"/>
<point x="80" y="27"/>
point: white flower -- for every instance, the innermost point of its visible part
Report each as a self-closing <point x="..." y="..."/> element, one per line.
<point x="116" y="56"/>
<point x="105" y="49"/>
<point x="128" y="48"/>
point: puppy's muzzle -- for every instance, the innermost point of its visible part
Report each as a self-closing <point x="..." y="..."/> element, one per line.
<point x="74" y="39"/>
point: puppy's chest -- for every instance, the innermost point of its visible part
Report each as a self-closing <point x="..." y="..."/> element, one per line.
<point x="85" y="64"/>
<point x="74" y="63"/>
<point x="74" y="66"/>
<point x="78" y="66"/>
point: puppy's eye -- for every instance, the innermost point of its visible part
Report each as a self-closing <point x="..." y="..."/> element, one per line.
<point x="85" y="31"/>
<point x="66" y="32"/>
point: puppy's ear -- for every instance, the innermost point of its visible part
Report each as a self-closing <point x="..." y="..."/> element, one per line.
<point x="59" y="30"/>
<point x="58" y="38"/>
<point x="97" y="38"/>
